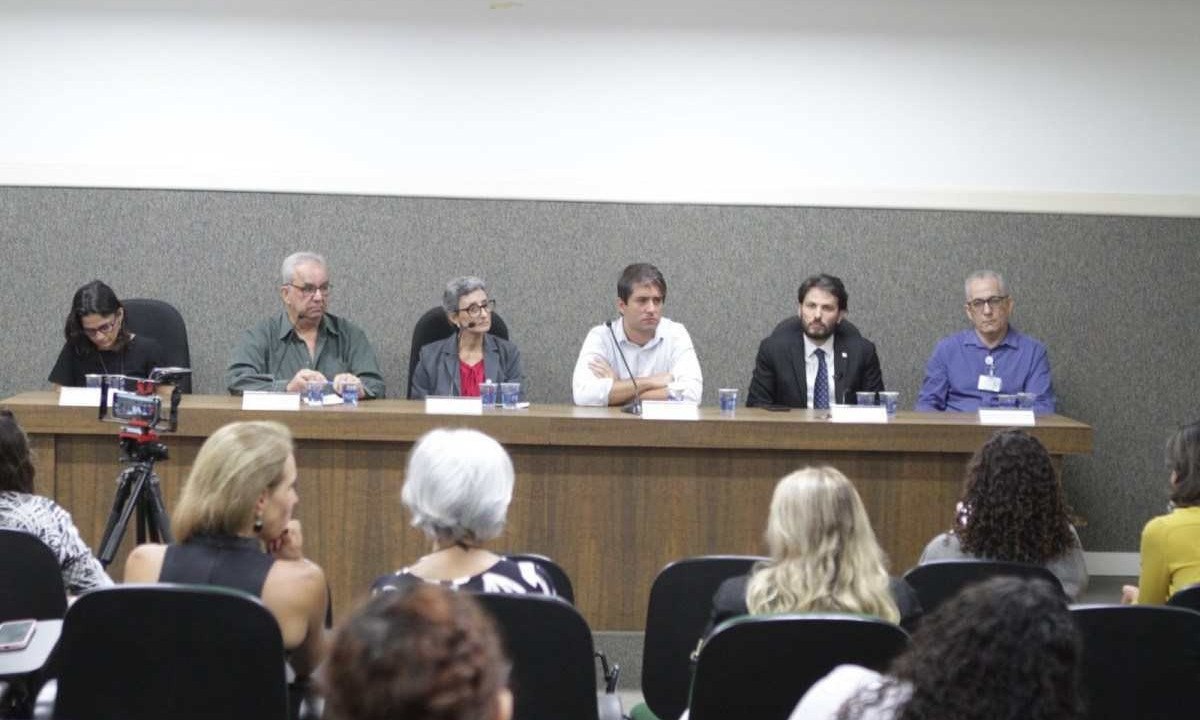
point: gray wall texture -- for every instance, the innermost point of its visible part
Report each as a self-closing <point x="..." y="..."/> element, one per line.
<point x="1112" y="297"/>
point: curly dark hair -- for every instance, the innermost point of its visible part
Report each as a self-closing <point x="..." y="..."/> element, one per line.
<point x="94" y="298"/>
<point x="16" y="463"/>
<point x="1013" y="506"/>
<point x="1002" y="649"/>
<point x="1183" y="459"/>
<point x="422" y="654"/>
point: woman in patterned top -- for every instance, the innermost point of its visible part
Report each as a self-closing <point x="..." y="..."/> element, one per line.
<point x="20" y="509"/>
<point x="457" y="488"/>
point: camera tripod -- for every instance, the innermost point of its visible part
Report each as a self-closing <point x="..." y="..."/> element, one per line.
<point x="138" y="490"/>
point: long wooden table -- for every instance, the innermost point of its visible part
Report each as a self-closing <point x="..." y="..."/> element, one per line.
<point x="611" y="497"/>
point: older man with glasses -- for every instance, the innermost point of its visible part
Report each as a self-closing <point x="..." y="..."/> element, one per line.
<point x="972" y="368"/>
<point x="305" y="343"/>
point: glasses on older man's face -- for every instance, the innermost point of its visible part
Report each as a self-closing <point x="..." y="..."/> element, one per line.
<point x="476" y="309"/>
<point x="992" y="302"/>
<point x="308" y="291"/>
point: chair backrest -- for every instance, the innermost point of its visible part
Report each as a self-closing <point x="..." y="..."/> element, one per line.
<point x="937" y="582"/>
<point x="676" y="616"/>
<point x="792" y="324"/>
<point x="170" y="651"/>
<point x="760" y="666"/>
<point x="160" y="320"/>
<point x="1188" y="597"/>
<point x="1139" y="661"/>
<point x="31" y="583"/>
<point x="558" y="576"/>
<point x="550" y="646"/>
<point x="433" y="326"/>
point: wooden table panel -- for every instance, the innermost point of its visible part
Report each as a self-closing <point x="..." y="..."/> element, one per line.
<point x="610" y="497"/>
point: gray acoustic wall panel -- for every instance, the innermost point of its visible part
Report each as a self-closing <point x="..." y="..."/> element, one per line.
<point x="1113" y="297"/>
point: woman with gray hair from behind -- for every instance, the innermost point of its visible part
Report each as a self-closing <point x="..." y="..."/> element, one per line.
<point x="457" y="487"/>
<point x="458" y="364"/>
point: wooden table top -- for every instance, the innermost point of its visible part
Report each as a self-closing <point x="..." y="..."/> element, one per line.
<point x="566" y="425"/>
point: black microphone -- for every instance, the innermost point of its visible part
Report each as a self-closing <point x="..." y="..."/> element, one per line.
<point x="635" y="406"/>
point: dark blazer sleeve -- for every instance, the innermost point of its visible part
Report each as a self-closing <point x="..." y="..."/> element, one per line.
<point x="872" y="374"/>
<point x="425" y="380"/>
<point x="762" y="382"/>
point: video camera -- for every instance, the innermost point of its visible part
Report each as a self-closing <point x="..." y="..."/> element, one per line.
<point x="137" y="404"/>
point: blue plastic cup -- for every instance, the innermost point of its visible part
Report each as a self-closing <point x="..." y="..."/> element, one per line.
<point x="1026" y="400"/>
<point x="727" y="397"/>
<point x="889" y="399"/>
<point x="866" y="398"/>
<point x="510" y="395"/>
<point x="314" y="392"/>
<point x="350" y="394"/>
<point x="487" y="393"/>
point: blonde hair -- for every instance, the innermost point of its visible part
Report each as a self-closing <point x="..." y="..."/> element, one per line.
<point x="824" y="556"/>
<point x="233" y="468"/>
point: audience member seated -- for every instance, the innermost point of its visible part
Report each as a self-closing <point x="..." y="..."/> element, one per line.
<point x="98" y="343"/>
<point x="1012" y="509"/>
<point x="421" y="655"/>
<point x="458" y="364"/>
<point x="823" y="558"/>
<point x="21" y="510"/>
<point x="457" y="488"/>
<point x="1005" y="648"/>
<point x="1171" y="542"/>
<point x="234" y="528"/>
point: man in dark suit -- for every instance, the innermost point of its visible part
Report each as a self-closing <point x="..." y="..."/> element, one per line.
<point x="818" y="359"/>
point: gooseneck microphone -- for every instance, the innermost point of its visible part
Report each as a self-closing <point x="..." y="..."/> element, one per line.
<point x="635" y="406"/>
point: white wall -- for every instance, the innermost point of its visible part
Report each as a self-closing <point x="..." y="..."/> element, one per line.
<point x="1054" y="105"/>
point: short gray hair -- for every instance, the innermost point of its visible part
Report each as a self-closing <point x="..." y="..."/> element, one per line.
<point x="458" y="486"/>
<point x="458" y="287"/>
<point x="300" y="258"/>
<point x="984" y="275"/>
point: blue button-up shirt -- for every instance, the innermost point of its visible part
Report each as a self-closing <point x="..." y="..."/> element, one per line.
<point x="952" y="374"/>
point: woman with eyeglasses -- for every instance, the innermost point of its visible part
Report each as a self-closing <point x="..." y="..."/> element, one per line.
<point x="98" y="342"/>
<point x="457" y="365"/>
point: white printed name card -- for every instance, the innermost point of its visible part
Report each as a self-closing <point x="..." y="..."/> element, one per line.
<point x="1006" y="417"/>
<point x="669" y="410"/>
<point x="262" y="400"/>
<point x="82" y="397"/>
<point x="436" y="405"/>
<point x="858" y="414"/>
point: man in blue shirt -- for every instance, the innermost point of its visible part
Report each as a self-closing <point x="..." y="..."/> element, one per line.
<point x="972" y="368"/>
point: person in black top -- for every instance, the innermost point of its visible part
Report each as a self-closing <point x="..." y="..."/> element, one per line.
<point x="97" y="341"/>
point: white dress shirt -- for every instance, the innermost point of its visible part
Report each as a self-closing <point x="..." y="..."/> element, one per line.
<point x="810" y="368"/>
<point x="670" y="350"/>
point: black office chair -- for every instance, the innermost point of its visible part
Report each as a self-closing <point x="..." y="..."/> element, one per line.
<point x="433" y="326"/>
<point x="551" y="649"/>
<point x="31" y="584"/>
<point x="676" y="616"/>
<point x="170" y="651"/>
<point x="160" y="320"/>
<point x="1188" y="597"/>
<point x="1139" y="661"/>
<point x="558" y="576"/>
<point x="938" y="581"/>
<point x="759" y="666"/>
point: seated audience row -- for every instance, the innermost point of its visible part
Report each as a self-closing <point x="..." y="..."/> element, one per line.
<point x="812" y="361"/>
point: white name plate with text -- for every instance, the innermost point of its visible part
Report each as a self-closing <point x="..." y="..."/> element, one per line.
<point x="858" y="414"/>
<point x="435" y="405"/>
<point x="669" y="410"/>
<point x="82" y="397"/>
<point x="262" y="400"/>
<point x="1007" y="417"/>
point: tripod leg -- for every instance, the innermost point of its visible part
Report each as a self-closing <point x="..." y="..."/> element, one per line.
<point x="129" y="489"/>
<point x="158" y="523"/>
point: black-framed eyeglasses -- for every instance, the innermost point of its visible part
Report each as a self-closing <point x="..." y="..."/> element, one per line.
<point x="476" y="309"/>
<point x="104" y="329"/>
<point x="993" y="302"/>
<point x="310" y="290"/>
